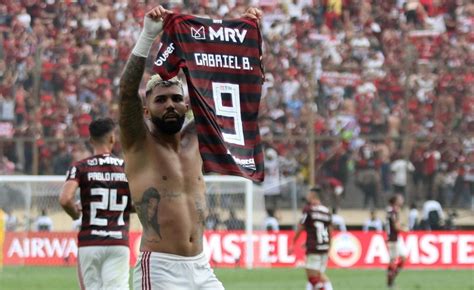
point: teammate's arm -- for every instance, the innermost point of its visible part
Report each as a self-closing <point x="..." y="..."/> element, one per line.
<point x="132" y="125"/>
<point x="66" y="199"/>
<point x="299" y="230"/>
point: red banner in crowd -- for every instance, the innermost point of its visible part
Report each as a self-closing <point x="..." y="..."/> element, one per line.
<point x="453" y="249"/>
<point x="340" y="79"/>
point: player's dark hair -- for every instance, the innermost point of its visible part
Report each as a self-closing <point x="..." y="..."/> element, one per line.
<point x="99" y="128"/>
<point x="271" y="212"/>
<point x="316" y="191"/>
<point x="392" y="200"/>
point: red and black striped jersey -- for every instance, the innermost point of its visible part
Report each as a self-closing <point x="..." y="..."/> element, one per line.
<point x="105" y="200"/>
<point x="316" y="221"/>
<point x="391" y="228"/>
<point x="222" y="63"/>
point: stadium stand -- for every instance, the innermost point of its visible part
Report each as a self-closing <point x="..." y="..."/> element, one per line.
<point x="373" y="80"/>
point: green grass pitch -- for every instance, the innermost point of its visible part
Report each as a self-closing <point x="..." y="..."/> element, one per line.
<point x="64" y="278"/>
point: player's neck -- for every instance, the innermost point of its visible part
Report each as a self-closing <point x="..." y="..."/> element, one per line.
<point x="102" y="149"/>
<point x="167" y="140"/>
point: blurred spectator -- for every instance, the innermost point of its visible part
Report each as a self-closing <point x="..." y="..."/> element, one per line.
<point x="270" y="223"/>
<point x="6" y="166"/>
<point x="43" y="223"/>
<point x="61" y="160"/>
<point x="271" y="183"/>
<point x="373" y="223"/>
<point x="400" y="169"/>
<point x="383" y="150"/>
<point x="368" y="177"/>
<point x="11" y="222"/>
<point x="433" y="215"/>
<point x="413" y="217"/>
<point x="338" y="222"/>
<point x="431" y="160"/>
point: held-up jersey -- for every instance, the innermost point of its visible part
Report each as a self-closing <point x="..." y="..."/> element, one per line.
<point x="222" y="63"/>
<point x="316" y="221"/>
<point x="105" y="200"/>
<point x="392" y="219"/>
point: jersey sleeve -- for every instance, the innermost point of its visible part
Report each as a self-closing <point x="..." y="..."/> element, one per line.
<point x="168" y="60"/>
<point x="73" y="173"/>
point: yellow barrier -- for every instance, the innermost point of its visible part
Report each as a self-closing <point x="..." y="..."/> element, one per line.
<point x="3" y="221"/>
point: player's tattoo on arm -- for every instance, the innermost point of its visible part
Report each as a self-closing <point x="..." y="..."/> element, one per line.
<point x="132" y="126"/>
<point x="147" y="211"/>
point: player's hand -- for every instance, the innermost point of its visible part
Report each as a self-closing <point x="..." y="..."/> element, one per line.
<point x="153" y="23"/>
<point x="78" y="206"/>
<point x="77" y="210"/>
<point x="158" y="13"/>
<point x="253" y="13"/>
<point x="291" y="249"/>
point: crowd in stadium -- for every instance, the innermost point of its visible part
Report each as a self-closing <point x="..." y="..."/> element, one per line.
<point x="399" y="72"/>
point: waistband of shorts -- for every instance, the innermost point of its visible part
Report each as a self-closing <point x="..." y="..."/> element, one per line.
<point x="172" y="257"/>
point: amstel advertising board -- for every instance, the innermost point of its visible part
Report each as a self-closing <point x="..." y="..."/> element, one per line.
<point x="450" y="249"/>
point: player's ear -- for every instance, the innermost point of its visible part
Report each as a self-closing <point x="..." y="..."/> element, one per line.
<point x="112" y="139"/>
<point x="146" y="112"/>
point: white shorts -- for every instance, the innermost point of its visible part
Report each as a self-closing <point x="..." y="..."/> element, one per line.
<point x="160" y="271"/>
<point x="395" y="250"/>
<point x="317" y="262"/>
<point x="104" y="267"/>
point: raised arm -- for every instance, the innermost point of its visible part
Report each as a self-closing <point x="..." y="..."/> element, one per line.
<point x="132" y="125"/>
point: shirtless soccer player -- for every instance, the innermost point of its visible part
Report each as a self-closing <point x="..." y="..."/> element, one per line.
<point x="164" y="170"/>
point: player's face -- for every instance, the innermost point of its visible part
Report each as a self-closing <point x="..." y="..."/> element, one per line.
<point x="400" y="201"/>
<point x="166" y="109"/>
<point x="310" y="197"/>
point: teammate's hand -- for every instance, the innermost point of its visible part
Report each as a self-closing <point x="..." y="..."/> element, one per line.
<point x="253" y="13"/>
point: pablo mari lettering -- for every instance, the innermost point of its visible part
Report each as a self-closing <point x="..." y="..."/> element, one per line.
<point x="106" y="176"/>
<point x="222" y="61"/>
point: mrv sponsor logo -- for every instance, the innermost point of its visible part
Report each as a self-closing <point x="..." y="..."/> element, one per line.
<point x="224" y="34"/>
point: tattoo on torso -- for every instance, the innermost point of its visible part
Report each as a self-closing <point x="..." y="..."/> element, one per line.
<point x="200" y="210"/>
<point x="147" y="210"/>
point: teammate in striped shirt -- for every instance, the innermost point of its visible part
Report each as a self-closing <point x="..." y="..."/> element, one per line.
<point x="316" y="221"/>
<point x="164" y="168"/>
<point x="396" y="251"/>
<point x="105" y="203"/>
